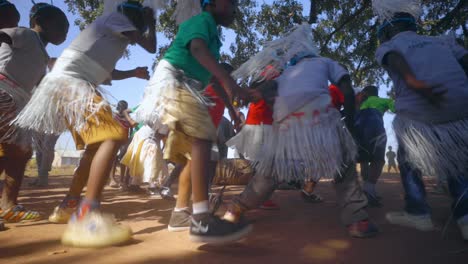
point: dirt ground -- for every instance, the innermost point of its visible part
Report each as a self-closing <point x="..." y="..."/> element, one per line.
<point x="297" y="233"/>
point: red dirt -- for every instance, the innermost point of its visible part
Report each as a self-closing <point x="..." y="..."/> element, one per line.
<point x="298" y="233"/>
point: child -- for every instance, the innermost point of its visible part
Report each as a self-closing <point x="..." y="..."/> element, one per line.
<point x="75" y="102"/>
<point x="123" y="117"/>
<point x="391" y="158"/>
<point x="9" y="15"/>
<point x="431" y="120"/>
<point x="306" y="129"/>
<point x="372" y="139"/>
<point x="22" y="51"/>
<point x="174" y="97"/>
<point x="180" y="217"/>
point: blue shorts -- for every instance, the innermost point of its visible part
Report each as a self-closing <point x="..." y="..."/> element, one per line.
<point x="370" y="135"/>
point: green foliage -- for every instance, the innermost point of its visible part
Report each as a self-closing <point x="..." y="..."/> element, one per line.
<point x="345" y="30"/>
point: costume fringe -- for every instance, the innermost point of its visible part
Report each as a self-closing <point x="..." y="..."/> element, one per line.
<point x="250" y="140"/>
<point x="277" y="54"/>
<point x="233" y="172"/>
<point x="162" y="91"/>
<point x="144" y="157"/>
<point x="310" y="144"/>
<point x="65" y="98"/>
<point x="12" y="100"/>
<point x="386" y="9"/>
<point x="438" y="150"/>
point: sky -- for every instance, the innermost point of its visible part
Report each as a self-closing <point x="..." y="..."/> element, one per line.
<point x="132" y="89"/>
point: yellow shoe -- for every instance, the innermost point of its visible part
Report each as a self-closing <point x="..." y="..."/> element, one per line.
<point x="95" y="230"/>
<point x="61" y="215"/>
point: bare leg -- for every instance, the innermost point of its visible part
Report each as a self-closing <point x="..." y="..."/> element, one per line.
<point x="201" y="150"/>
<point x="81" y="175"/>
<point x="100" y="169"/>
<point x="185" y="187"/>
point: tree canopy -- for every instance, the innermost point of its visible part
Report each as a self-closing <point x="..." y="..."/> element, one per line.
<point x="345" y="30"/>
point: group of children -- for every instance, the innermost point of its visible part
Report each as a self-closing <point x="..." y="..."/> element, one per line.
<point x="293" y="131"/>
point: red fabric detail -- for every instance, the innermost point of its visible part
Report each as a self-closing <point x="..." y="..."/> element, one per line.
<point x="216" y="111"/>
<point x="259" y="113"/>
<point x="337" y="96"/>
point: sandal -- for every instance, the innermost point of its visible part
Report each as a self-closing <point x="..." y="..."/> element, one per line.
<point x="18" y="214"/>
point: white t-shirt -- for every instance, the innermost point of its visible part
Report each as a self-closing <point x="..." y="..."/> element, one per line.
<point x="433" y="60"/>
<point x="103" y="41"/>
<point x="304" y="82"/>
<point x="25" y="60"/>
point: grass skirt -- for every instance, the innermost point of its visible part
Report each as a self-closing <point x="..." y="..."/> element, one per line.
<point x="144" y="157"/>
<point x="12" y="99"/>
<point x="250" y="140"/>
<point x="310" y="143"/>
<point x="65" y="96"/>
<point x="438" y="150"/>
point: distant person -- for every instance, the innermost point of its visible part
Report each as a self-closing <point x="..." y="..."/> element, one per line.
<point x="391" y="160"/>
<point x="225" y="133"/>
<point x="45" y="153"/>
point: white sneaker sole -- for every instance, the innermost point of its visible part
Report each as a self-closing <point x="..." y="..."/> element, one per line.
<point x="76" y="240"/>
<point x="425" y="226"/>
<point x="178" y="229"/>
<point x="222" y="239"/>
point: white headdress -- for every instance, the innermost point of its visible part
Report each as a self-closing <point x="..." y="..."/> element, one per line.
<point x="111" y="5"/>
<point x="297" y="43"/>
<point x="386" y="9"/>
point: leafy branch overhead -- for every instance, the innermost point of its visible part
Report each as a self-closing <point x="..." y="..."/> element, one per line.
<point x="345" y="30"/>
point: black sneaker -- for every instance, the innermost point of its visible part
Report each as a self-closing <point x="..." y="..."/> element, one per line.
<point x="210" y="229"/>
<point x="180" y="221"/>
<point x="311" y="197"/>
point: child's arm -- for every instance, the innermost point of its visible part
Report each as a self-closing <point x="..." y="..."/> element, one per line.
<point x="396" y="63"/>
<point x="200" y="51"/>
<point x="148" y="41"/>
<point x="139" y="72"/>
<point x="349" y="102"/>
<point x="130" y="120"/>
<point x="232" y="112"/>
<point x="4" y="38"/>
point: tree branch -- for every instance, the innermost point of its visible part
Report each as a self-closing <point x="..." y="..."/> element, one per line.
<point x="447" y="19"/>
<point x="365" y="5"/>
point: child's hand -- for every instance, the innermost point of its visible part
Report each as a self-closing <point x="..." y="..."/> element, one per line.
<point x="148" y="15"/>
<point x="142" y="73"/>
<point x="428" y="91"/>
<point x="235" y="118"/>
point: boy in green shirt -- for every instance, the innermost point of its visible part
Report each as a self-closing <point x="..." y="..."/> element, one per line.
<point x="174" y="97"/>
<point x="372" y="140"/>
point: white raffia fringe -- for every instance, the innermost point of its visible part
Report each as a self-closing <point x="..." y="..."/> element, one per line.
<point x="312" y="146"/>
<point x="65" y="96"/>
<point x="250" y="140"/>
<point x="185" y="9"/>
<point x="438" y="150"/>
<point x="144" y="157"/>
<point x="277" y="53"/>
<point x="12" y="98"/>
<point x="162" y="91"/>
<point x="386" y="9"/>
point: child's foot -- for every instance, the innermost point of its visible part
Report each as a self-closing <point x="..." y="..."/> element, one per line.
<point x="180" y="221"/>
<point x="311" y="197"/>
<point x="208" y="228"/>
<point x="363" y="229"/>
<point x="167" y="194"/>
<point x="64" y="211"/>
<point x="269" y="205"/>
<point x="18" y="214"/>
<point x="419" y="222"/>
<point x="95" y="229"/>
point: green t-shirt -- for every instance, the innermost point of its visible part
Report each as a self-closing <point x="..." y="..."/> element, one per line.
<point x="381" y="104"/>
<point x="202" y="26"/>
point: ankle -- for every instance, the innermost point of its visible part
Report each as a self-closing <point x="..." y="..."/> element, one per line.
<point x="87" y="206"/>
<point x="201" y="207"/>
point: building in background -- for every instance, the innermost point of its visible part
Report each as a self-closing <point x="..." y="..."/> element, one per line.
<point x="64" y="158"/>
